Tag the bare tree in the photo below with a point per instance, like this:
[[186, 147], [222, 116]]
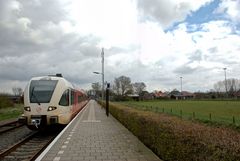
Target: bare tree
[[97, 88], [123, 85], [117, 86], [139, 87], [17, 91], [219, 86], [233, 85]]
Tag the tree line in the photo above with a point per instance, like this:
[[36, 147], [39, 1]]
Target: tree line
[[230, 87], [121, 87]]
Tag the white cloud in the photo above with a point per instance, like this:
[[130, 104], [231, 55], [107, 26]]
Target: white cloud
[[112, 20], [67, 37], [230, 8], [167, 12]]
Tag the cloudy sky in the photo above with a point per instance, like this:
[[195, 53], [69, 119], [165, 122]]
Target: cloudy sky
[[151, 41]]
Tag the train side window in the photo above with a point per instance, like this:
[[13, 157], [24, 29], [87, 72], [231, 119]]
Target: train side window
[[64, 101], [72, 97], [79, 99]]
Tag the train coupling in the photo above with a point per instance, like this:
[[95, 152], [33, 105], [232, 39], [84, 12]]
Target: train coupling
[[36, 122]]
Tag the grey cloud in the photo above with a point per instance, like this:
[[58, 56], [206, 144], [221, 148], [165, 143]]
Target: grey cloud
[[33, 44], [213, 50], [31, 29], [42, 11], [126, 50], [185, 69], [165, 80], [214, 55], [164, 11], [196, 56]]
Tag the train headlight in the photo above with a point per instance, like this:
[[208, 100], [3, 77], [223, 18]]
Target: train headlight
[[51, 108], [27, 109]]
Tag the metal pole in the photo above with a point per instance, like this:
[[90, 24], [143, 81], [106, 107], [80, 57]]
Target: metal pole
[[107, 99], [102, 54]]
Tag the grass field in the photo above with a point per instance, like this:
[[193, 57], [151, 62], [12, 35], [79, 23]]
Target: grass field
[[11, 112], [223, 112]]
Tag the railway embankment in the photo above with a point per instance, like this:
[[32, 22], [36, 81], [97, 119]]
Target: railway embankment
[[173, 138]]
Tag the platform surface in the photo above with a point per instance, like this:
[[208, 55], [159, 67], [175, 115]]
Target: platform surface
[[92, 136]]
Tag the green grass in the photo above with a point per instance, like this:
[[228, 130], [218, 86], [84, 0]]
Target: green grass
[[11, 112], [221, 111]]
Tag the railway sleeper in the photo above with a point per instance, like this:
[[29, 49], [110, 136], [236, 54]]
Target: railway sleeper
[[21, 153], [24, 150], [19, 157], [30, 146]]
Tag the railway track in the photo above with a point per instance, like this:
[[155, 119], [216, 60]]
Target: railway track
[[9, 126], [29, 148]]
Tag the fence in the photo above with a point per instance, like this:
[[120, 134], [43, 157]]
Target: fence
[[193, 115]]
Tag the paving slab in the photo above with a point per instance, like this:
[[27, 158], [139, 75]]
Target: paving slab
[[92, 136]]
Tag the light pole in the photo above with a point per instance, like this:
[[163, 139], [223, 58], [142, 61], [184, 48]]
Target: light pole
[[225, 78], [181, 84], [102, 54]]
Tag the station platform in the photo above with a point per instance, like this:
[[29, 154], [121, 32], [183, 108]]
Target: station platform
[[92, 136]]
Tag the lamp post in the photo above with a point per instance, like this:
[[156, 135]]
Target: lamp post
[[225, 74], [102, 73]]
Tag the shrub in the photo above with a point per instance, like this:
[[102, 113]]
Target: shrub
[[172, 138], [5, 102]]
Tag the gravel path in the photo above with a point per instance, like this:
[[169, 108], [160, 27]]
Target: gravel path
[[12, 137]]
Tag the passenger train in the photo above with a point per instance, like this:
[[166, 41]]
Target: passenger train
[[51, 100]]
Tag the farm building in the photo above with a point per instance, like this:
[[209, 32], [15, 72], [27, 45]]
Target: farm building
[[181, 95], [160, 94]]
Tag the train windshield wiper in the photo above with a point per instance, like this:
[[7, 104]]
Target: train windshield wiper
[[32, 94]]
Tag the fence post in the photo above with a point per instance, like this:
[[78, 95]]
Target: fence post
[[171, 110], [210, 117], [163, 110], [233, 120]]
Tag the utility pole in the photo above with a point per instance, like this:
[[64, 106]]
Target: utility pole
[[102, 54]]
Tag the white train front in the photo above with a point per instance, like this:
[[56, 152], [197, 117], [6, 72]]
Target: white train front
[[51, 100]]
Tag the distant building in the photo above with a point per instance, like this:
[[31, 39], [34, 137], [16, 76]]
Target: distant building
[[181, 95], [160, 94], [147, 96], [134, 96], [237, 94], [187, 95]]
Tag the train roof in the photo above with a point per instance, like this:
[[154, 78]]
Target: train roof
[[59, 77], [53, 77]]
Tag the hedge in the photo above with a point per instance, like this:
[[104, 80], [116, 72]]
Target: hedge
[[172, 138]]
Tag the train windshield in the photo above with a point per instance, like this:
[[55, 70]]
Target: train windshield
[[41, 91]]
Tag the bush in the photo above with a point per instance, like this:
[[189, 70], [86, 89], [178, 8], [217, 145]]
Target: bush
[[172, 138], [5, 102]]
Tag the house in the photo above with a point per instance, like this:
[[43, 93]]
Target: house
[[237, 94], [187, 95], [160, 95], [181, 95], [134, 96]]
